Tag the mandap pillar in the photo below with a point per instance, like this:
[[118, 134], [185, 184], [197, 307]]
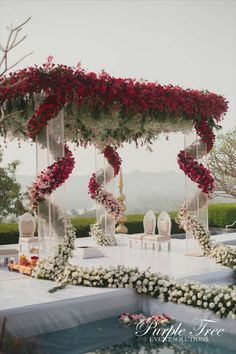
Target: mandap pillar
[[51, 224], [105, 177], [196, 201]]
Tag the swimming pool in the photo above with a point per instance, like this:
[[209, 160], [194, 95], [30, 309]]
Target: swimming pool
[[108, 337]]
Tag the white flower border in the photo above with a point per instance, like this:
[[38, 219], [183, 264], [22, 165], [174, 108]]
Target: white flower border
[[220, 300], [222, 254], [101, 239]]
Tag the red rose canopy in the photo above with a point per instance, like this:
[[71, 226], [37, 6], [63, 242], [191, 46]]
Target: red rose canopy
[[104, 108], [101, 108]]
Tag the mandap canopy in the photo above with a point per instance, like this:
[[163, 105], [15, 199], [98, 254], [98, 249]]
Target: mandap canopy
[[104, 111]]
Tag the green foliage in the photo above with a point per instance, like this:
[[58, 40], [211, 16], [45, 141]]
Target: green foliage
[[10, 191], [221, 215], [8, 234], [82, 225]]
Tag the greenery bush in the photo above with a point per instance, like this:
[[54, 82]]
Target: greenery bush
[[82, 225], [220, 215], [8, 234]]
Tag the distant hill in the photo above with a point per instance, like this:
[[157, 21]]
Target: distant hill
[[143, 191]]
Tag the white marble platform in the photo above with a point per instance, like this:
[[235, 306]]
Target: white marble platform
[[174, 263], [30, 309]]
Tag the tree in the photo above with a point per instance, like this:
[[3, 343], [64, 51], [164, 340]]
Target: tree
[[11, 197], [13, 41], [222, 163]]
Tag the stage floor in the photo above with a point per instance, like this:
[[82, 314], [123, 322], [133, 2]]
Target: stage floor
[[174, 263], [30, 309]]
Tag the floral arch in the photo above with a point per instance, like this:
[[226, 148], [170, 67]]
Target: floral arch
[[105, 111]]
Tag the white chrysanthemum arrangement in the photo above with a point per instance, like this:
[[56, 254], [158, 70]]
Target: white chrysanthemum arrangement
[[222, 254], [101, 238]]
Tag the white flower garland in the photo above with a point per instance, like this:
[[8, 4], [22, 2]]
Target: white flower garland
[[51, 268], [222, 254], [220, 300], [102, 239], [186, 221]]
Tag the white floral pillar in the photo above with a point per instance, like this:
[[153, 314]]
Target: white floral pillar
[[51, 212], [105, 177], [196, 200]]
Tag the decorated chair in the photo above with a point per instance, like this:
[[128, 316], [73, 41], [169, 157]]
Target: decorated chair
[[27, 227], [164, 230], [149, 225]]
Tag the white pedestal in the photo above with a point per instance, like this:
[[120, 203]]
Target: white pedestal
[[89, 252]]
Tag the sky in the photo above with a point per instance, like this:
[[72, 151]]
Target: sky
[[186, 43]]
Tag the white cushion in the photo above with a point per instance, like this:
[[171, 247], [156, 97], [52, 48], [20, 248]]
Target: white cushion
[[163, 227], [27, 228], [28, 239], [136, 236], [150, 238], [149, 225], [163, 238]]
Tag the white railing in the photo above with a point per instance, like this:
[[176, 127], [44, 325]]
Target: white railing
[[228, 226]]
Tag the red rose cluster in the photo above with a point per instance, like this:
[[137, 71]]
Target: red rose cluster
[[93, 186], [196, 172], [51, 178], [113, 158], [205, 132], [46, 111]]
